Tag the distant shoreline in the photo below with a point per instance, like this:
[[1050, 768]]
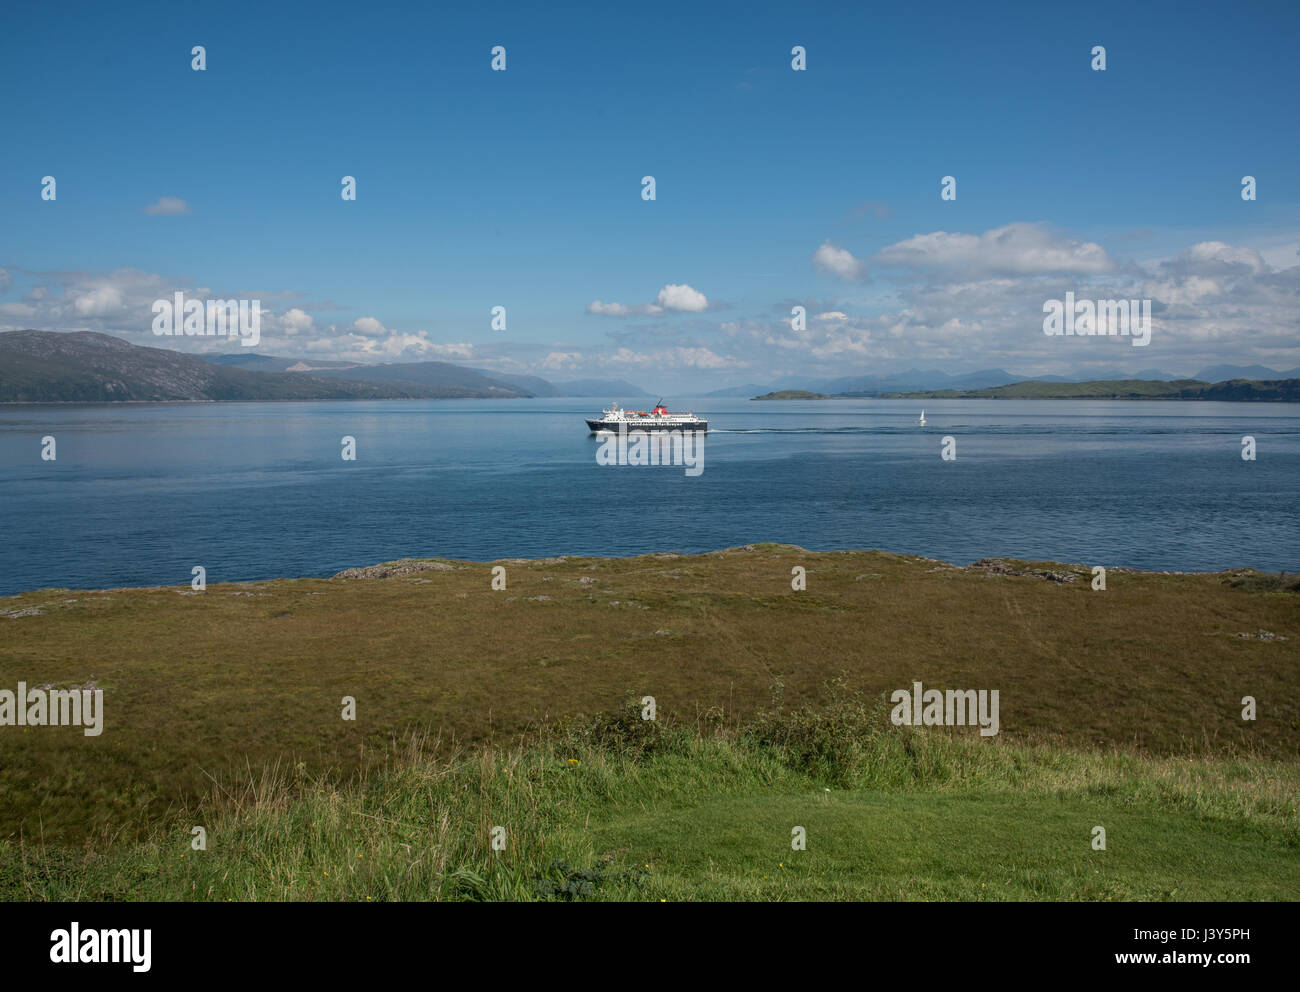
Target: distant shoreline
[[795, 394], [284, 399], [937, 395], [1194, 390]]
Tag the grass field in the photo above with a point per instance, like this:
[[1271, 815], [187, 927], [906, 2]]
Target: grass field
[[1119, 708], [615, 808]]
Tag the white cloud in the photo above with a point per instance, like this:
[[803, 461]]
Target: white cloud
[[612, 309], [369, 327], [1216, 258], [6, 280], [1212, 303], [683, 297], [953, 308], [296, 321], [455, 349], [839, 262], [557, 361], [168, 206], [688, 357], [97, 301], [680, 298], [1017, 249], [703, 358]]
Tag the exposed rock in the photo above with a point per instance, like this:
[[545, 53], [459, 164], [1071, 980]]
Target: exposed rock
[[30, 611], [392, 569], [1003, 566], [90, 684]]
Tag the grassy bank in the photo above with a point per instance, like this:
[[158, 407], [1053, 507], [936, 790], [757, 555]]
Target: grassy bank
[[619, 808], [206, 685], [1119, 708]]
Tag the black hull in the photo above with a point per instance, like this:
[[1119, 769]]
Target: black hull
[[700, 426]]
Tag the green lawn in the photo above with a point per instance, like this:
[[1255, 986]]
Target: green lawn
[[618, 808], [870, 845]]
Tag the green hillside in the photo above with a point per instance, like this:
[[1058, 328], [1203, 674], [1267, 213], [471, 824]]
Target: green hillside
[[792, 394], [84, 367]]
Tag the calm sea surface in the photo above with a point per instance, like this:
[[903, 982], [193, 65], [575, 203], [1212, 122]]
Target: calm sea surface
[[140, 494]]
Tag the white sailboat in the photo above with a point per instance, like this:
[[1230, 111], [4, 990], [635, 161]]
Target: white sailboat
[[921, 422]]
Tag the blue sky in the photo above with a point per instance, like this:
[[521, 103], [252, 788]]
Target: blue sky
[[774, 187]]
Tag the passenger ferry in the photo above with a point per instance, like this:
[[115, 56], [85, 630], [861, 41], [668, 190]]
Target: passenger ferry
[[658, 419]]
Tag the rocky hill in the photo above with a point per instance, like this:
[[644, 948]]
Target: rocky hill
[[56, 367]]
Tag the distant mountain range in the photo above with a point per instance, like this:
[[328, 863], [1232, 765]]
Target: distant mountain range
[[84, 367], [51, 367], [80, 367], [439, 375], [1233, 390], [916, 380], [1222, 373], [439, 379], [610, 389]]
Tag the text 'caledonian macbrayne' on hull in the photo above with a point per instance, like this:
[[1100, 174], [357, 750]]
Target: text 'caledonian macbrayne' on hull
[[658, 419]]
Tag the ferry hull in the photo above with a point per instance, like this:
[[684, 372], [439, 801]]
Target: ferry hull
[[649, 425]]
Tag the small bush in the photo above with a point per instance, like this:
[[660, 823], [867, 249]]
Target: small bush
[[623, 733], [568, 884], [1265, 582]]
